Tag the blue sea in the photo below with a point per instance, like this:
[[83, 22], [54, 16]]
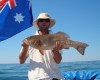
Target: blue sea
[[19, 71]]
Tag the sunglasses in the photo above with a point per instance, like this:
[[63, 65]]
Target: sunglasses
[[44, 20]]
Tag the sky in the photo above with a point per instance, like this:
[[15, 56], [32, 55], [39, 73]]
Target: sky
[[80, 19]]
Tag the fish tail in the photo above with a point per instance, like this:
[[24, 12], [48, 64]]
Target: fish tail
[[81, 47]]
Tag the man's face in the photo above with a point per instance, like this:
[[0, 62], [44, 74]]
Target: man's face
[[44, 23]]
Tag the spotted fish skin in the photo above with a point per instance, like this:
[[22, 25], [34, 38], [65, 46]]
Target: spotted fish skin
[[48, 41]]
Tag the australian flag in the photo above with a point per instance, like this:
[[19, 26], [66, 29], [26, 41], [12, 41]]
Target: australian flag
[[15, 16]]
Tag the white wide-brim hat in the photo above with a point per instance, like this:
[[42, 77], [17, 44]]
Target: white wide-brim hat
[[44, 16]]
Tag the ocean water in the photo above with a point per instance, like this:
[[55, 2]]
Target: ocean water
[[19, 71]]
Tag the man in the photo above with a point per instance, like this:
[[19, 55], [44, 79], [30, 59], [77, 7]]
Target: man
[[43, 63]]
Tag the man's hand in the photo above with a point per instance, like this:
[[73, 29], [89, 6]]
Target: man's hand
[[58, 46]]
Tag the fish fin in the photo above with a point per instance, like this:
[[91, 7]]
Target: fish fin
[[63, 34], [66, 48]]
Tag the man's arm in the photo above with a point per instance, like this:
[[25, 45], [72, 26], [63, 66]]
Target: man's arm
[[57, 55], [23, 53]]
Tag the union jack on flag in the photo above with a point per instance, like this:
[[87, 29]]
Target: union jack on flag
[[15, 16]]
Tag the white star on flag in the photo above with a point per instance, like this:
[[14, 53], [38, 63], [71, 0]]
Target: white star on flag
[[19, 17]]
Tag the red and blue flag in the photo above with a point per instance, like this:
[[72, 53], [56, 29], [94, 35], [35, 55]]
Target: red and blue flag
[[15, 16]]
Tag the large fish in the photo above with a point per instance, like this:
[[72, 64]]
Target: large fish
[[45, 42]]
